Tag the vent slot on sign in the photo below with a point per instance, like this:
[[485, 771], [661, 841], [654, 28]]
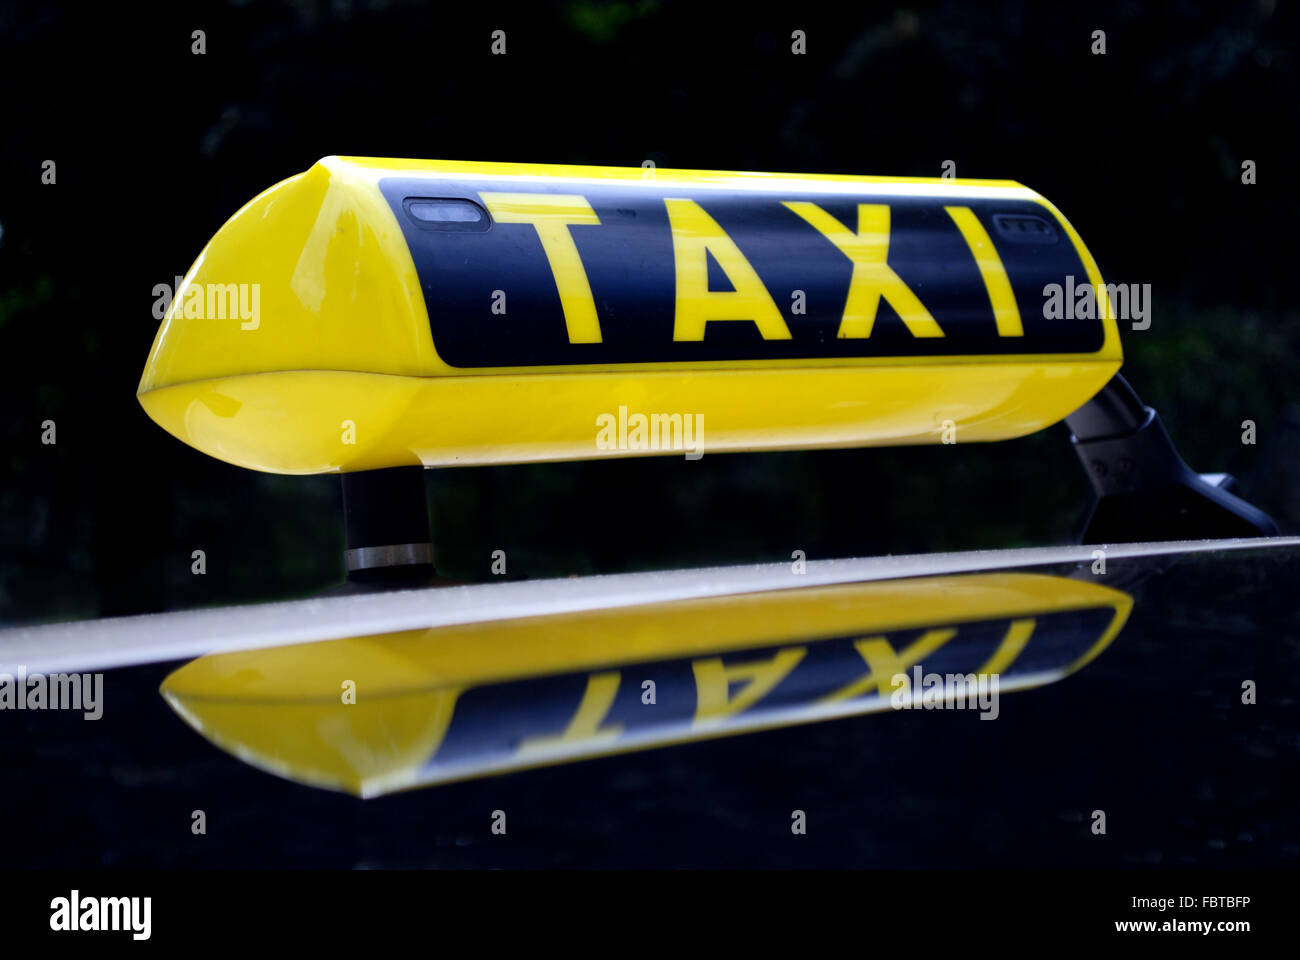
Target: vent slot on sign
[[1023, 228]]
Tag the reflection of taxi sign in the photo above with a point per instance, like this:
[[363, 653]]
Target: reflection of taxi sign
[[424, 312], [428, 706]]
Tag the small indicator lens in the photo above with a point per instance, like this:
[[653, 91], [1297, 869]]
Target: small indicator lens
[[444, 211]]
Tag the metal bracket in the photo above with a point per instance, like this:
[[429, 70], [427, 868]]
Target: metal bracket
[[1144, 489], [386, 514]]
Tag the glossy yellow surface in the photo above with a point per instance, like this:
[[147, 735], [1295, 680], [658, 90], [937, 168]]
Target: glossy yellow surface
[[282, 709], [339, 371]]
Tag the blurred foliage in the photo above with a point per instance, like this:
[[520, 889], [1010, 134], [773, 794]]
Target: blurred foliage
[[156, 147], [602, 22]]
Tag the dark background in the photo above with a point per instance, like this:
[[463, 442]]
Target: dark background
[[155, 147]]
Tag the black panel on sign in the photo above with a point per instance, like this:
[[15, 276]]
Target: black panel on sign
[[628, 260]]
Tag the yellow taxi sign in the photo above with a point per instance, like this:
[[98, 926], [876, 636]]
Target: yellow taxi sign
[[437, 313]]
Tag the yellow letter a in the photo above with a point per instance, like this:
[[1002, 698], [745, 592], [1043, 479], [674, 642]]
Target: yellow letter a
[[695, 235]]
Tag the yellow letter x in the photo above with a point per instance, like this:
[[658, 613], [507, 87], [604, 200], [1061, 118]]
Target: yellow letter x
[[873, 277]]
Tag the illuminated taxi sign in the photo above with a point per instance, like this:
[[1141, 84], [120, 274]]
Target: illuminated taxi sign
[[642, 272]]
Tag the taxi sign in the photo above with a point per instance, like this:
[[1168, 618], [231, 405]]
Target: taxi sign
[[381, 313]]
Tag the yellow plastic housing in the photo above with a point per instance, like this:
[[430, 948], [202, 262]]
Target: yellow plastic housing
[[337, 369]]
